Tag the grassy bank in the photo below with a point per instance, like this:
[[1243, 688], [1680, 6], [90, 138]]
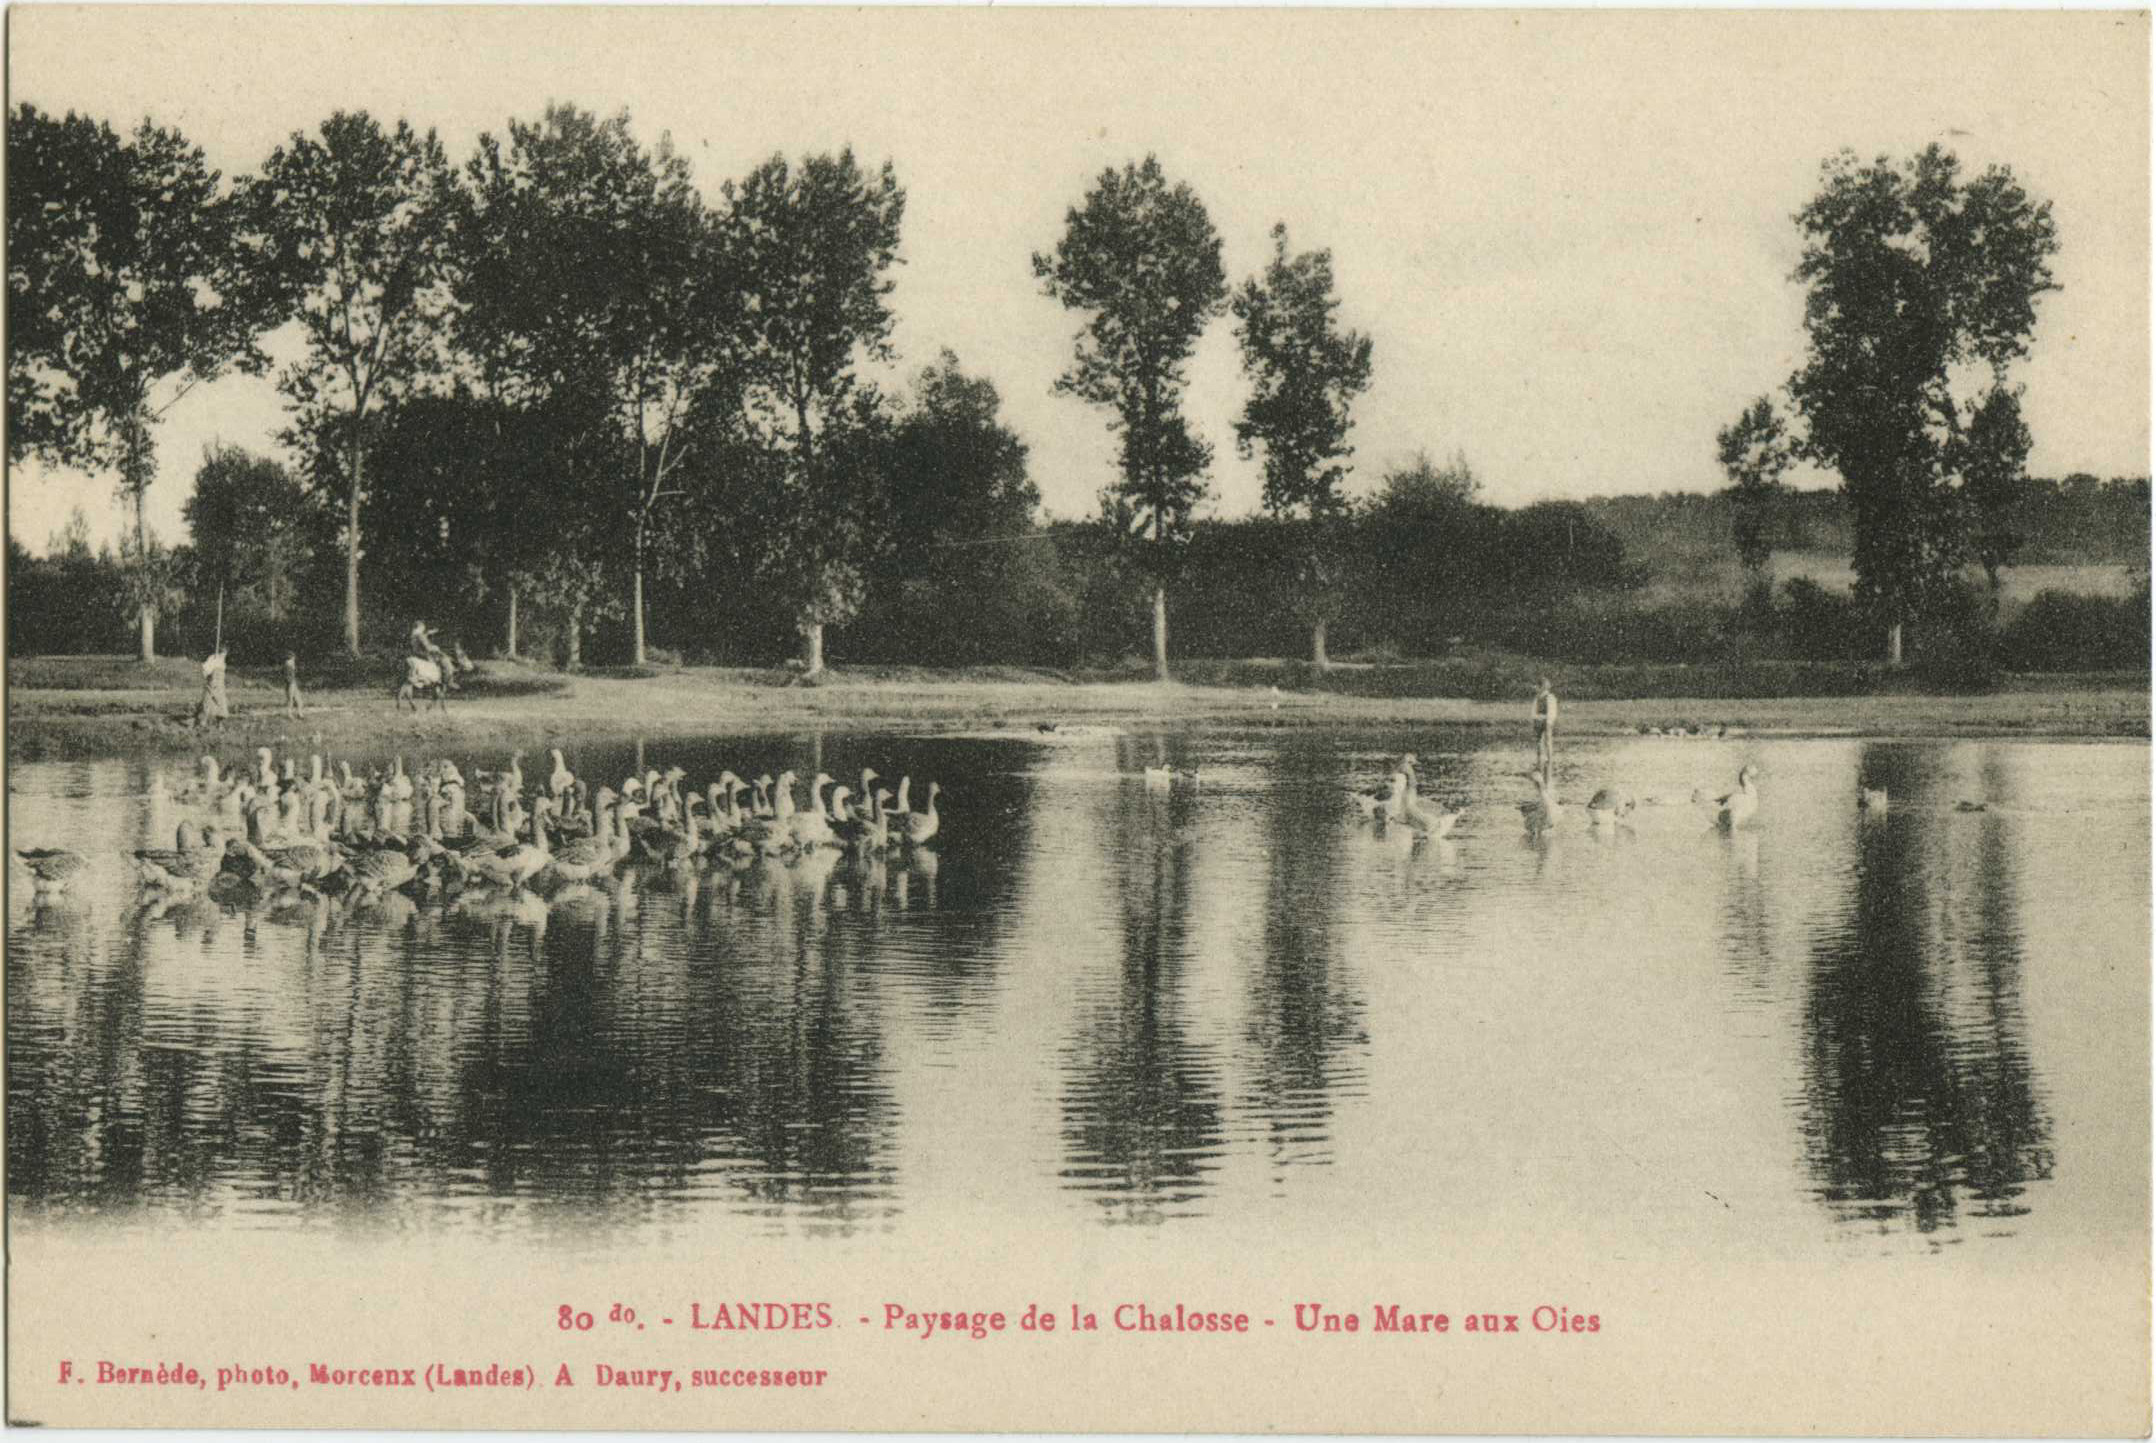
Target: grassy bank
[[93, 706]]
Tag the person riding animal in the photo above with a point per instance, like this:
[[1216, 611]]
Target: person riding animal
[[427, 667], [423, 645]]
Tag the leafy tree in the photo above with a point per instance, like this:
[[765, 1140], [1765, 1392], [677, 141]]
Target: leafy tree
[[255, 528], [468, 491], [1143, 260], [124, 271], [1754, 452], [1304, 374], [1424, 484], [592, 264], [1424, 510], [1994, 464], [71, 540], [831, 532], [357, 220], [1918, 279], [812, 247], [73, 600], [560, 523], [955, 585], [574, 583]]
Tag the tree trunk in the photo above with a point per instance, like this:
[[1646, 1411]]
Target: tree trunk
[[512, 621], [351, 550], [1160, 633], [1318, 658], [148, 617], [576, 637], [812, 647], [637, 601], [1894, 644]]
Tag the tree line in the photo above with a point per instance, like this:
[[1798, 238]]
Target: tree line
[[557, 391], [974, 578], [607, 381]]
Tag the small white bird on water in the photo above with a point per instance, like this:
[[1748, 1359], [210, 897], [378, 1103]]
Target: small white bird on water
[[1608, 807], [1737, 808], [1545, 808]]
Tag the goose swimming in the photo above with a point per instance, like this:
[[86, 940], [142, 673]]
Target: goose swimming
[[191, 860], [1608, 807], [1737, 808], [1545, 808], [921, 826]]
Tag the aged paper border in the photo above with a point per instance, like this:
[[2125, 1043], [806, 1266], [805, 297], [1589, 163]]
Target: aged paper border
[[2002, 1350]]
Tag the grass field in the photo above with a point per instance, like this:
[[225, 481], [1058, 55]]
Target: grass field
[[95, 706], [1717, 579], [2018, 585]]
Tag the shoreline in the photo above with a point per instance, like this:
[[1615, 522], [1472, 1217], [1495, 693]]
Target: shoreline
[[50, 724]]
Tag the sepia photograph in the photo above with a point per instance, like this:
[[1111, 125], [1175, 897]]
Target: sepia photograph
[[1078, 720]]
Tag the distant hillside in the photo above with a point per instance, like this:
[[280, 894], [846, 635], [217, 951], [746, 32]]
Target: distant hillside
[[1680, 538]]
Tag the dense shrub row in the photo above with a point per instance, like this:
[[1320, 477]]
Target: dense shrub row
[[1546, 582]]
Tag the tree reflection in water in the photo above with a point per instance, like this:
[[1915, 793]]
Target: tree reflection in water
[[1142, 1105], [1919, 1095], [1307, 1023], [1109, 1004]]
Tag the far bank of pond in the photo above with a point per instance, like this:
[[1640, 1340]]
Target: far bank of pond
[[101, 706]]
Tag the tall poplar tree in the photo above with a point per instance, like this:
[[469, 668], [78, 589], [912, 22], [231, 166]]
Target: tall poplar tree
[[125, 272], [1754, 452], [1305, 373], [1995, 451], [592, 266], [357, 219], [813, 245], [1921, 289], [1141, 259]]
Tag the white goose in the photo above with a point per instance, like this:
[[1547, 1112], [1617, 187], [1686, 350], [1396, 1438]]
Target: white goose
[[921, 826], [1545, 809], [1608, 807], [1737, 808]]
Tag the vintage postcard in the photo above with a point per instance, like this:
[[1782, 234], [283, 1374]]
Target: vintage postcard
[[1068, 720]]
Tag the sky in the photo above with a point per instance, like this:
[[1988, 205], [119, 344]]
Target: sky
[[1569, 234]]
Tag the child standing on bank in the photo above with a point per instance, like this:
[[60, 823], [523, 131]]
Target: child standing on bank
[[1545, 718], [292, 705]]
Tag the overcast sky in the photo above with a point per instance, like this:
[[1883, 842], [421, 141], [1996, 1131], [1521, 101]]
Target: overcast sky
[[1569, 234]]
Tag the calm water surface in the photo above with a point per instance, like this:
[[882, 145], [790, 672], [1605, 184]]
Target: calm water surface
[[1094, 1006]]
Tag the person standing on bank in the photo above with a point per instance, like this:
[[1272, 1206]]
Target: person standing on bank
[[213, 706], [1545, 718], [292, 705]]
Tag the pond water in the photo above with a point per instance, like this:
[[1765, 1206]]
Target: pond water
[[1096, 1006]]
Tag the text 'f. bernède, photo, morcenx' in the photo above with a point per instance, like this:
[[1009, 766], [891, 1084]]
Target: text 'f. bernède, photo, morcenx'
[[1402, 632]]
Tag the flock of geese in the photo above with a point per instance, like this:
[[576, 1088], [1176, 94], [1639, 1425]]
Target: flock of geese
[[1400, 805], [332, 833], [285, 826]]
